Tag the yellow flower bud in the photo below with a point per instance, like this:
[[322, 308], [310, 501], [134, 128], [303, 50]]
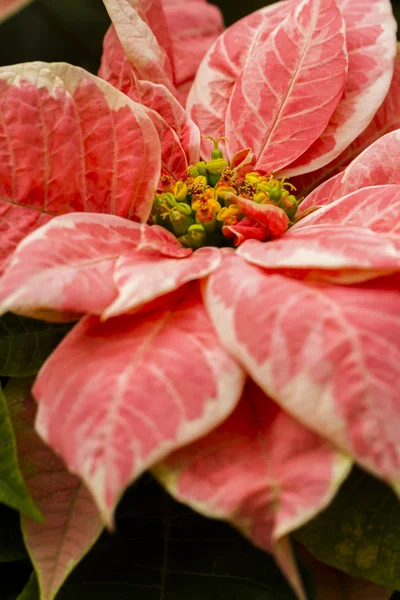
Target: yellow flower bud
[[230, 215], [221, 191], [201, 179], [180, 190], [261, 197]]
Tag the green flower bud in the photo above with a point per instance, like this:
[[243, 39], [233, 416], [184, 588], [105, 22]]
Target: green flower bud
[[169, 199], [214, 166], [201, 168], [216, 153], [163, 203], [184, 209], [163, 220], [192, 171], [196, 236], [290, 205], [180, 222]]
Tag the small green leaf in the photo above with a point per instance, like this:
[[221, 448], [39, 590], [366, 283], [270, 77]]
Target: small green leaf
[[13, 490], [31, 590], [26, 343], [165, 551], [359, 532]]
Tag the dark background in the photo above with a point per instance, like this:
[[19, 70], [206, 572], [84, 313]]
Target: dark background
[[72, 30]]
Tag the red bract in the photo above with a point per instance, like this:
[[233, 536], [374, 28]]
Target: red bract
[[156, 369]]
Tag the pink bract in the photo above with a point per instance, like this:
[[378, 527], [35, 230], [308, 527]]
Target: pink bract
[[288, 350], [9, 7]]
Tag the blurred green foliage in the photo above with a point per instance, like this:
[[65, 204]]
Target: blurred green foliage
[[72, 30]]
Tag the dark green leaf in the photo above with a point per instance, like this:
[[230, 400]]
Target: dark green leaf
[[359, 532], [13, 490], [13, 577], [31, 590], [11, 542], [164, 551], [26, 343]]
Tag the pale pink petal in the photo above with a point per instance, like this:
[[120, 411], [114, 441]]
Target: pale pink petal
[[324, 193], [210, 94], [261, 470], [16, 222], [72, 522], [386, 119], [246, 229], [329, 355], [117, 70], [274, 219], [134, 389], [151, 84], [243, 162], [154, 13], [193, 26], [66, 268], [371, 46], [356, 252], [142, 277], [9, 7], [376, 208], [139, 40], [290, 86], [379, 164], [70, 142]]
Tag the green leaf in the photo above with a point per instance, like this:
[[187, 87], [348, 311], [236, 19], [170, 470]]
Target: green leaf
[[13, 490], [11, 543], [164, 551], [359, 532], [31, 590], [26, 343]]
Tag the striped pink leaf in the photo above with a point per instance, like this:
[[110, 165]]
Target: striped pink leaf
[[346, 253], [378, 165], [72, 522], [247, 471], [371, 46], [150, 84], [290, 86], [70, 142], [193, 25], [376, 208], [143, 276], [154, 13], [329, 355], [213, 86], [327, 192], [118, 71], [134, 389], [98, 264], [386, 119]]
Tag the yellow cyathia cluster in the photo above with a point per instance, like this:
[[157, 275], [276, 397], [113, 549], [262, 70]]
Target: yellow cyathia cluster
[[196, 208]]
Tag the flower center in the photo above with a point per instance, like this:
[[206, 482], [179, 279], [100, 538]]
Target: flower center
[[216, 204]]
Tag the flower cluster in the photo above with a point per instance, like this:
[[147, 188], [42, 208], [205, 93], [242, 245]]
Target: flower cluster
[[202, 209]]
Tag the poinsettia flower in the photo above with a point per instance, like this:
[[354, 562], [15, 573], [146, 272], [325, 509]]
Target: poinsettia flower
[[304, 310]]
